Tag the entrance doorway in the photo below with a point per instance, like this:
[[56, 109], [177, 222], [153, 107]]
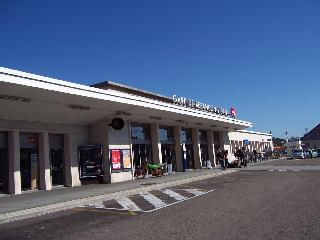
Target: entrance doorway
[[187, 148], [4, 166], [188, 157], [29, 161], [168, 147], [168, 155], [57, 159], [204, 156], [141, 144], [142, 153]]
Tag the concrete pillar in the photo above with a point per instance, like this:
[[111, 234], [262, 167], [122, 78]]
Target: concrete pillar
[[196, 148], [44, 162], [225, 142], [155, 143], [99, 135], [14, 162], [211, 151], [177, 147], [67, 160]]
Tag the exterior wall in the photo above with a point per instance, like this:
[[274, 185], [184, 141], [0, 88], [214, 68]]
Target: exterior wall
[[75, 135], [99, 135], [120, 139], [258, 141], [311, 144]]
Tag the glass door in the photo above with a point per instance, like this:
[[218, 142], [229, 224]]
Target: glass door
[[57, 172], [56, 145], [29, 168]]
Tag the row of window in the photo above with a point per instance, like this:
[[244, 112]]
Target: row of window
[[143, 132]]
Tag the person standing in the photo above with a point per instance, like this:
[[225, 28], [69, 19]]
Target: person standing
[[169, 163], [221, 159], [225, 157]]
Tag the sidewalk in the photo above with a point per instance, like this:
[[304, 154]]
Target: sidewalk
[[35, 203]]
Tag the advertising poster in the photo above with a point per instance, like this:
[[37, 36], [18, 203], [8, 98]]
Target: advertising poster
[[116, 159], [126, 159]]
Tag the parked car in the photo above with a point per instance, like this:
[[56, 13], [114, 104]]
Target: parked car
[[307, 153], [311, 153], [318, 151], [314, 153], [298, 153]]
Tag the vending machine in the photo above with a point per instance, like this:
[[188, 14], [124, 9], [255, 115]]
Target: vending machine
[[90, 161]]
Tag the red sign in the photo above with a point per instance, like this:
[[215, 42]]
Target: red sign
[[233, 112], [116, 159], [31, 140]]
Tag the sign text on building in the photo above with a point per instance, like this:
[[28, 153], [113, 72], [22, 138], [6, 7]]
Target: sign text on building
[[187, 102]]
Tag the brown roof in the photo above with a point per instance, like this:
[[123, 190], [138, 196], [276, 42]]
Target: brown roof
[[131, 90], [314, 134]]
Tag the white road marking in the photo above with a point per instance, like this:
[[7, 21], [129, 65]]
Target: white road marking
[[280, 170], [128, 204], [156, 202], [174, 195], [271, 170], [95, 205], [195, 192]]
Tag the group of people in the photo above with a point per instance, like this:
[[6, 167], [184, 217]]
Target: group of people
[[222, 157], [243, 157]]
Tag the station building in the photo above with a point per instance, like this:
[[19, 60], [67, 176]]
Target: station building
[[58, 133]]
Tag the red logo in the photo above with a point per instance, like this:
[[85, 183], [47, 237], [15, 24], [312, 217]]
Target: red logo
[[233, 112]]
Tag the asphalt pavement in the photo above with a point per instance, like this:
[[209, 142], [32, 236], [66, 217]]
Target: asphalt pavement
[[253, 203]]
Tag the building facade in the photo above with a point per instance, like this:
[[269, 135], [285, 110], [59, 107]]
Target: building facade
[[312, 138], [55, 133]]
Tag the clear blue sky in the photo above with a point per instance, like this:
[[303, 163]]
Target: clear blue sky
[[262, 57]]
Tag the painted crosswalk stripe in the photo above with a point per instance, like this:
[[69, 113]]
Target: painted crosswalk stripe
[[195, 192], [156, 202], [95, 205], [128, 204], [174, 195]]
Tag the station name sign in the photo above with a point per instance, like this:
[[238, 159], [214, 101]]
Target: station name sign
[[187, 102]]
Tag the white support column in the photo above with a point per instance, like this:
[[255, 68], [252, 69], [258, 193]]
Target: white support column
[[177, 147], [14, 162], [196, 148], [224, 138], [44, 162], [211, 150], [155, 143]]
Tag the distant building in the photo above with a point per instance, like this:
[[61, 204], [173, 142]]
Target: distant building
[[294, 145], [312, 138]]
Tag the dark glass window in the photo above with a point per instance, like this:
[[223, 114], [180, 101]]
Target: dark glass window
[[166, 134], [186, 135], [202, 136], [140, 131]]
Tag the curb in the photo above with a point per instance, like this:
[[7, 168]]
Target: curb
[[56, 207]]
